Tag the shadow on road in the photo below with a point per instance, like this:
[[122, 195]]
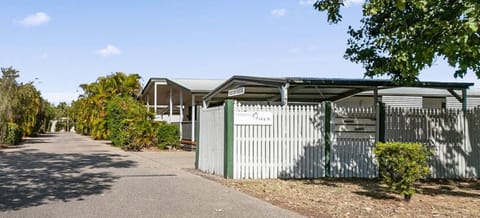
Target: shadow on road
[[31, 178]]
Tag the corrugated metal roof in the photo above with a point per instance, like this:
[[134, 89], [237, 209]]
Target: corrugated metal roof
[[198, 85], [410, 91], [316, 89]]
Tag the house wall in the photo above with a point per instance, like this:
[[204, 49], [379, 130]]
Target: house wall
[[472, 102], [403, 101]]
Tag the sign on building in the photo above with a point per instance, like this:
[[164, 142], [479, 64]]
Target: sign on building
[[237, 91]]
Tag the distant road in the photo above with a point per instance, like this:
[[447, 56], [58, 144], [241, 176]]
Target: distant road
[[68, 175]]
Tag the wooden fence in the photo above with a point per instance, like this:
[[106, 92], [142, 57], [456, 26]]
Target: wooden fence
[[211, 153], [452, 135], [313, 141], [290, 146], [354, 130]]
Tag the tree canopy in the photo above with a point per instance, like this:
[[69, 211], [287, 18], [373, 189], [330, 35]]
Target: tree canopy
[[90, 109], [399, 38], [21, 104]]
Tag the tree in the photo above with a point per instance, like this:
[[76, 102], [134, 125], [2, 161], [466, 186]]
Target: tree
[[90, 109], [399, 38], [21, 104]]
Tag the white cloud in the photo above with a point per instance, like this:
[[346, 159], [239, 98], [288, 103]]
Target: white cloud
[[307, 2], [36, 19], [108, 51], [349, 3], [279, 12]]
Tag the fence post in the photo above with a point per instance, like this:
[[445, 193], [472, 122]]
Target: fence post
[[381, 122], [327, 134], [197, 135], [228, 143]]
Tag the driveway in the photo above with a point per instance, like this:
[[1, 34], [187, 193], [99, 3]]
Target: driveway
[[68, 175]]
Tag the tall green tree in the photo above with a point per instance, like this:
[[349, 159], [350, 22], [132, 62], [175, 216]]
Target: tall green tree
[[399, 38], [21, 104], [90, 109]]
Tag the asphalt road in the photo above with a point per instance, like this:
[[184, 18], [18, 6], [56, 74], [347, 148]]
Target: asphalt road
[[68, 175]]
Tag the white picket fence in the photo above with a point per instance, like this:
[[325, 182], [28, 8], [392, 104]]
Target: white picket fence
[[292, 147], [354, 130], [452, 134], [211, 151]]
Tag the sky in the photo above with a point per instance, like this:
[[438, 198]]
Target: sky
[[61, 44]]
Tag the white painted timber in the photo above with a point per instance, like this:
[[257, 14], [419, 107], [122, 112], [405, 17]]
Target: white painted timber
[[452, 135], [353, 142], [211, 140], [403, 101], [292, 147]]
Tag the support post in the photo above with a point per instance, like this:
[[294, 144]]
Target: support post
[[228, 149], [170, 106], [284, 93], [464, 100], [148, 103], [181, 113], [155, 96], [377, 114], [328, 139], [197, 140], [193, 116], [381, 122]]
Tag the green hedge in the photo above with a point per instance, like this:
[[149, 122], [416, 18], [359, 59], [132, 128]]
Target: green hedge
[[129, 124], [401, 164], [14, 134], [168, 135]]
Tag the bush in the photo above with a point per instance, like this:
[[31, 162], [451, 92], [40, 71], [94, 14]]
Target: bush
[[129, 124], [401, 164], [168, 135], [14, 134]]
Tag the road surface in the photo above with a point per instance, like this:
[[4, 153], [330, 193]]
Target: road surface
[[68, 175]]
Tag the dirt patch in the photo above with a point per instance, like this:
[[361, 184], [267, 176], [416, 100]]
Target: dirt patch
[[362, 198]]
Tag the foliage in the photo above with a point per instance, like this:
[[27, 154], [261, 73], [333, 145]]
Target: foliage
[[168, 134], [402, 37], [89, 111], [129, 123], [14, 134], [401, 164], [22, 104]]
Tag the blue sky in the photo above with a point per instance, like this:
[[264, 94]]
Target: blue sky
[[62, 44]]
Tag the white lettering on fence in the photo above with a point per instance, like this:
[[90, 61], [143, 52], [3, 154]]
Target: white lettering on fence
[[253, 118]]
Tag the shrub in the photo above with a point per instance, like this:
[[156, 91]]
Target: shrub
[[14, 134], [168, 134], [129, 124], [401, 164]]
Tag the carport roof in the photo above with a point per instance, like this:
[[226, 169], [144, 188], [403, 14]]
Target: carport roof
[[302, 89]]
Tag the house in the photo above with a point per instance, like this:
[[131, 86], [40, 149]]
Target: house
[[175, 101]]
